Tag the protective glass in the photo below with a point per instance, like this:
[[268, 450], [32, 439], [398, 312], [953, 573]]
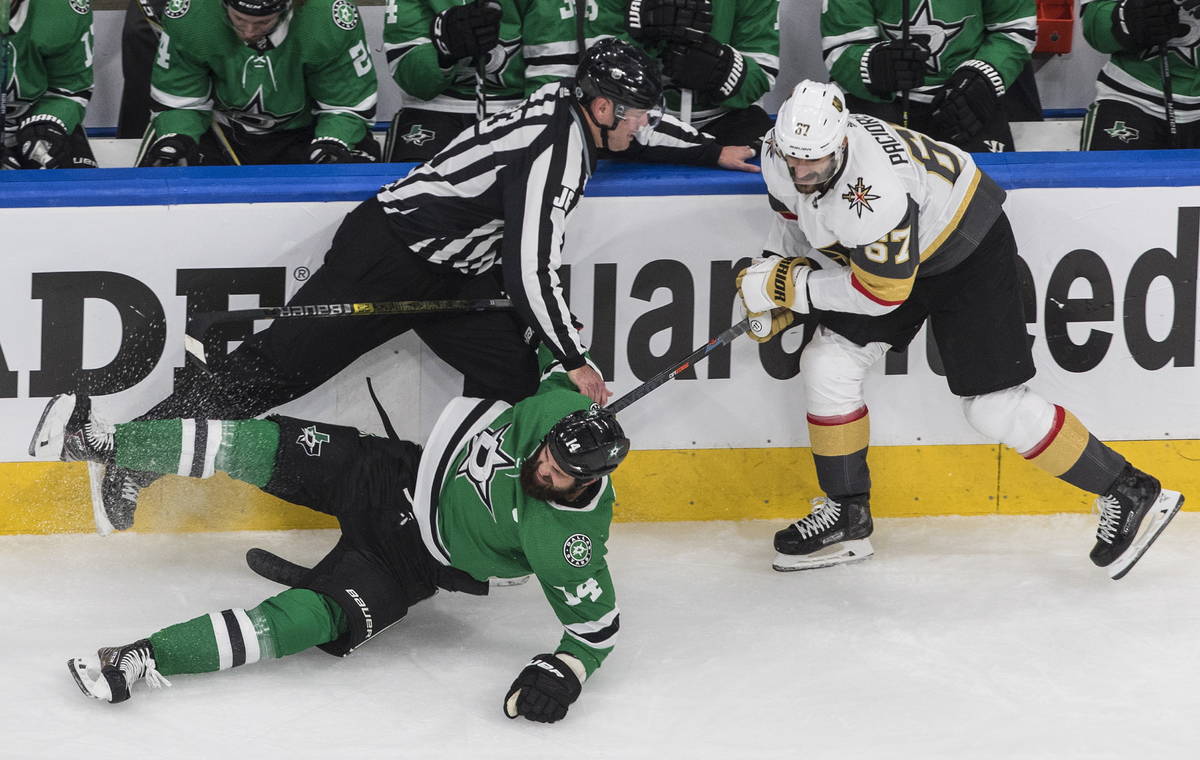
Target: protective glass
[[653, 115]]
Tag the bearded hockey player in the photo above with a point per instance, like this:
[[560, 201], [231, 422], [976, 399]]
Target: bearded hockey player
[[261, 82], [46, 51], [877, 230], [499, 491], [961, 67], [1130, 110]]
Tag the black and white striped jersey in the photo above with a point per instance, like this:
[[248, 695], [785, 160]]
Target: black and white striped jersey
[[500, 194]]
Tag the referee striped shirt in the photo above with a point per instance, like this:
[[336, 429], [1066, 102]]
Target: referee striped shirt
[[500, 193]]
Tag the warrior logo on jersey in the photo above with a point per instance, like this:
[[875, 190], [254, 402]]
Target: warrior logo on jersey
[[930, 33], [344, 15], [311, 439], [81, 6], [860, 197], [1120, 131], [485, 458], [577, 550], [177, 8], [418, 135]]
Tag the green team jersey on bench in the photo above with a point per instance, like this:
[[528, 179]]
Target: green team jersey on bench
[[314, 65], [50, 49]]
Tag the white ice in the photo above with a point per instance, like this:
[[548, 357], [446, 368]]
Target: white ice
[[979, 637]]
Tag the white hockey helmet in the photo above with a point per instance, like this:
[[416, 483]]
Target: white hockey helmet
[[812, 122]]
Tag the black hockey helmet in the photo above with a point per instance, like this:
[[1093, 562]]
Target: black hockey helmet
[[621, 72], [588, 444], [258, 7]]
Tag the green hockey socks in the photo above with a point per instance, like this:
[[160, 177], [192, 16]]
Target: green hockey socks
[[285, 624], [245, 449]]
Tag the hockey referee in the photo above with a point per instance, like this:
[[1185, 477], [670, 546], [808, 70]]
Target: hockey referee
[[486, 215]]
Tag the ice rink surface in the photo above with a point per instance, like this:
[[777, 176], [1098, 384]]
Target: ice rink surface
[[971, 637]]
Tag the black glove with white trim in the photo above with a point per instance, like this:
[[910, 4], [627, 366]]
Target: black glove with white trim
[[465, 31], [966, 103], [172, 150], [1141, 24], [650, 21], [545, 688], [701, 63], [42, 142], [894, 66]]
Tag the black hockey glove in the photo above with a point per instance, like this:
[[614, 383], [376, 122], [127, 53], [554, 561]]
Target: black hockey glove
[[653, 20], [701, 63], [172, 150], [466, 31], [543, 690], [1141, 24], [42, 142], [894, 66], [965, 104]]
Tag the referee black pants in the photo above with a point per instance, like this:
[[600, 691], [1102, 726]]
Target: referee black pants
[[366, 262]]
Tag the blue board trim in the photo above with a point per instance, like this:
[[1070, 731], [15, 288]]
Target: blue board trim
[[355, 182]]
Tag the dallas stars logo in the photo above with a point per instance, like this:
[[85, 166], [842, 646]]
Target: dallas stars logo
[[311, 439], [497, 61], [1120, 131], [254, 116], [1184, 45], [484, 460], [860, 197], [418, 135], [930, 33]]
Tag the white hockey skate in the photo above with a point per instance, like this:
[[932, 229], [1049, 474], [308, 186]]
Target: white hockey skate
[[832, 534]]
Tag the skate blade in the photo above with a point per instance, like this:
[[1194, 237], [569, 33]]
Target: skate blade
[[1165, 508], [96, 484], [837, 554], [96, 688], [54, 418]]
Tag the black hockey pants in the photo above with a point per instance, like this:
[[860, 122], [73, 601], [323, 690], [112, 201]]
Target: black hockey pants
[[365, 263]]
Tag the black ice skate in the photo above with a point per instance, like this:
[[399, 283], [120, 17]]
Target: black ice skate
[[832, 534], [70, 432], [1132, 515], [120, 668], [115, 497]]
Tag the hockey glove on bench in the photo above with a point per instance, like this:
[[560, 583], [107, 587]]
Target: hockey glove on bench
[[466, 31], [698, 62], [42, 142], [649, 21], [894, 66], [172, 150], [967, 102], [1141, 24], [545, 688]]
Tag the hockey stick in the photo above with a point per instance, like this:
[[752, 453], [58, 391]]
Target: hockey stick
[[199, 324], [1164, 69], [904, 9], [480, 95], [724, 339], [5, 6]]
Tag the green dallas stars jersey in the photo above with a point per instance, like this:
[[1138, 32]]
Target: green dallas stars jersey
[[50, 47], [1133, 76], [749, 26], [412, 60], [317, 62], [474, 515], [1000, 33]]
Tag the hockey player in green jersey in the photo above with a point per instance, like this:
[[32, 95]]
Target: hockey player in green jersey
[[433, 48], [261, 82], [960, 62], [1132, 101], [46, 77], [720, 59], [498, 491]]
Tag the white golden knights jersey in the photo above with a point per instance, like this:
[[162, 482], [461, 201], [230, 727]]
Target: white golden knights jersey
[[902, 206]]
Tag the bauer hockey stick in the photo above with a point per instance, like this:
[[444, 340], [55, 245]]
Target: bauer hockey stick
[[199, 324], [724, 339], [904, 9], [5, 6], [1164, 69]]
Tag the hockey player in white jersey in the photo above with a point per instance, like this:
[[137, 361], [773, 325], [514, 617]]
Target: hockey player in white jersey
[[879, 228]]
